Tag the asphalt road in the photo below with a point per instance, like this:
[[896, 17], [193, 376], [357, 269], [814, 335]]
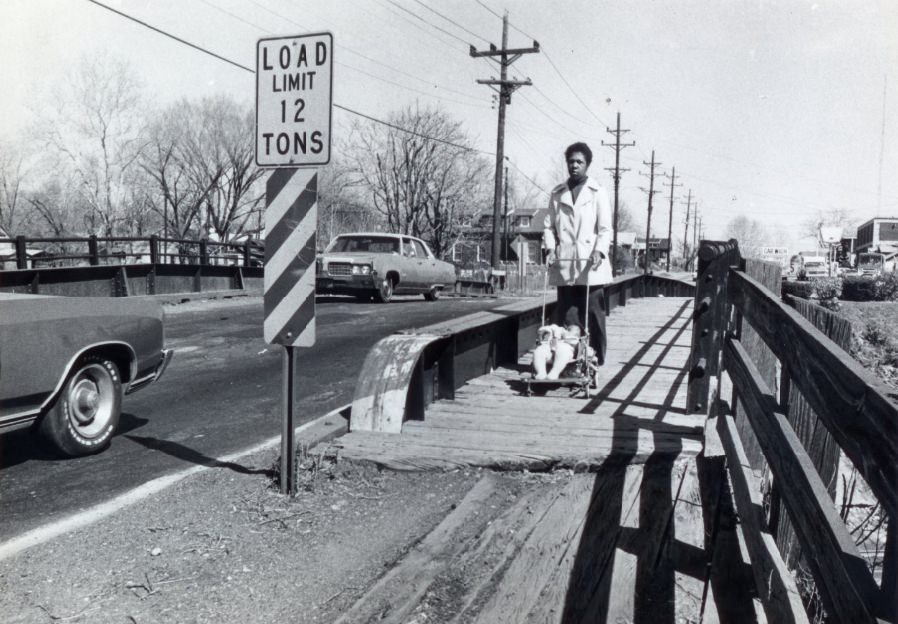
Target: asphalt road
[[220, 394]]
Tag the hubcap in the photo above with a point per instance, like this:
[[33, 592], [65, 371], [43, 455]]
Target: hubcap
[[91, 400]]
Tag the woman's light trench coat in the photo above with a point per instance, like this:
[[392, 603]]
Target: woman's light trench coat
[[575, 231]]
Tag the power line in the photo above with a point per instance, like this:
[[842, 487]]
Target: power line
[[442, 30], [344, 48], [171, 36], [252, 71], [451, 21], [497, 15]]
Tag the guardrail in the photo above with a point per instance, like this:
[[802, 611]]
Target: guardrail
[[94, 251], [769, 355], [404, 373]]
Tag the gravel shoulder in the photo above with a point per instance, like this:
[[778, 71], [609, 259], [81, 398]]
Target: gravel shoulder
[[225, 546]]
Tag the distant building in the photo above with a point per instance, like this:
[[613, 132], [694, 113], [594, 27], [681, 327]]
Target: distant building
[[878, 234]]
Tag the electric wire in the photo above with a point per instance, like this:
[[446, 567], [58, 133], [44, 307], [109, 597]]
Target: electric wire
[[451, 21], [253, 71]]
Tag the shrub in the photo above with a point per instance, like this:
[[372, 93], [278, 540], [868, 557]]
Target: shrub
[[858, 288], [797, 289], [828, 290], [885, 286]]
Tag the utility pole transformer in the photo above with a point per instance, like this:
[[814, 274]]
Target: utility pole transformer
[[651, 191], [673, 179], [504, 87], [617, 145]]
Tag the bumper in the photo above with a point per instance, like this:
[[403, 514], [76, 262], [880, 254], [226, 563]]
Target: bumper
[[345, 285], [137, 384]]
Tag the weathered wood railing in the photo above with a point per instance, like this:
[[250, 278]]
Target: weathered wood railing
[[757, 436], [29, 252]]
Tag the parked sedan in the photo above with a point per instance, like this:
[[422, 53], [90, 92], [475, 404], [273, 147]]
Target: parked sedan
[[66, 362], [369, 264]]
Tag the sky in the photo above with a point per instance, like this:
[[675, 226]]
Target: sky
[[773, 110]]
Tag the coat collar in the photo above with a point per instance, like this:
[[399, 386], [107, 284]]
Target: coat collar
[[563, 193]]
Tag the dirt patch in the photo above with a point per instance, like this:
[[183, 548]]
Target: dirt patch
[[225, 546]]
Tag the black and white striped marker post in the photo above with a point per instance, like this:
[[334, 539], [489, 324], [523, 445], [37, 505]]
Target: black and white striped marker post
[[291, 219]]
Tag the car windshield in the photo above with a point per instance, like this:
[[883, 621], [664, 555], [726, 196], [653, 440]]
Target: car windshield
[[869, 260], [813, 265], [374, 244]]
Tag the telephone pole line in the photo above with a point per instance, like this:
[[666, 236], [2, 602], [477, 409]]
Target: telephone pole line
[[673, 179], [504, 87], [695, 227], [617, 146], [651, 191], [686, 231]]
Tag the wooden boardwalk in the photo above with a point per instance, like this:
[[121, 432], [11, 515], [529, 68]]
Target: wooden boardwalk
[[623, 537], [639, 410]]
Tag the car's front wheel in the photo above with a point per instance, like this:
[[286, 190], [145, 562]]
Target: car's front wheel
[[87, 410], [385, 292]]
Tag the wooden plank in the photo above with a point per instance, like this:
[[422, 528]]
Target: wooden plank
[[581, 587], [378, 403], [483, 566], [853, 404], [687, 549], [640, 442], [552, 543], [465, 417], [775, 584], [842, 577], [396, 593]]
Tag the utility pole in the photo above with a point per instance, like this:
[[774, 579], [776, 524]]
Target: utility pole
[[673, 179], [504, 87], [695, 226], [686, 231], [505, 218], [617, 145], [651, 191]]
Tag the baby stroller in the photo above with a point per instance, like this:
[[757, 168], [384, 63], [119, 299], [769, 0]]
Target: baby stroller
[[580, 374]]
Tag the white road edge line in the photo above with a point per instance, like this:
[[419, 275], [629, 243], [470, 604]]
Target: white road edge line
[[82, 519]]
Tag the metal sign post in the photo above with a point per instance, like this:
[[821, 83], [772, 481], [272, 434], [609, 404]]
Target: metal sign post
[[293, 130]]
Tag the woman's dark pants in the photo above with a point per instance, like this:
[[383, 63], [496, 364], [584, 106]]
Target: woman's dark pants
[[572, 300]]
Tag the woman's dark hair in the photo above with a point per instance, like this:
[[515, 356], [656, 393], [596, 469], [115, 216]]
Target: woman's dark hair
[[581, 147]]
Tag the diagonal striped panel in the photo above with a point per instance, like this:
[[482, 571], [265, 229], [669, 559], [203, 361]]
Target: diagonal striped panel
[[291, 218]]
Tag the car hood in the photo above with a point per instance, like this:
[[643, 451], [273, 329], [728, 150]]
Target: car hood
[[357, 257]]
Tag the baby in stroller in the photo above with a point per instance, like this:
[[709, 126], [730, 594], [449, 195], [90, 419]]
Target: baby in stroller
[[557, 346]]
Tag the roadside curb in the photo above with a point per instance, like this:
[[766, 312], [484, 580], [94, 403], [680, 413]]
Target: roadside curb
[[318, 431], [176, 298]]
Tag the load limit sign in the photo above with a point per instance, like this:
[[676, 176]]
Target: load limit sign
[[294, 89]]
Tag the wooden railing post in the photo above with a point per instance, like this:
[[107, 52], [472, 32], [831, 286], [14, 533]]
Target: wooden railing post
[[93, 250], [204, 251], [709, 321], [21, 252], [154, 249]]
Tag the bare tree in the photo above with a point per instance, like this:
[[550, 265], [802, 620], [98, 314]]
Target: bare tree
[[96, 128], [426, 179], [13, 172], [235, 197], [176, 160], [750, 233]]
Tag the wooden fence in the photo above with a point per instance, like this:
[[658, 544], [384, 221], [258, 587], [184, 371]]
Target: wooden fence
[[767, 353]]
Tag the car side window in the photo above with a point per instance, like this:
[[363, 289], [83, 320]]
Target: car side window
[[408, 249], [419, 249]]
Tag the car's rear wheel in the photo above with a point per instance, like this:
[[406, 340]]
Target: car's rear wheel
[[87, 410], [385, 292], [433, 294]]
